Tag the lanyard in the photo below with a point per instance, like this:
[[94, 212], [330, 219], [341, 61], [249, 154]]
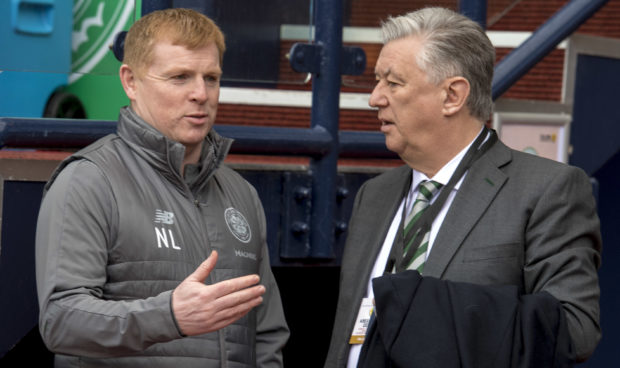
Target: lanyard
[[397, 260]]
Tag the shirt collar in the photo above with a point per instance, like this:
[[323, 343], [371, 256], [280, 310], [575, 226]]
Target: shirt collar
[[445, 173]]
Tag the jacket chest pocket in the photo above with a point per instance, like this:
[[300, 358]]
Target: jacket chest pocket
[[500, 264], [494, 253], [236, 237]]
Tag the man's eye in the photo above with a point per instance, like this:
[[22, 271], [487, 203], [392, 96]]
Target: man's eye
[[180, 77], [387, 82]]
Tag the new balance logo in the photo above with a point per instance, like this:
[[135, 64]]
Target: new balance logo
[[164, 217]]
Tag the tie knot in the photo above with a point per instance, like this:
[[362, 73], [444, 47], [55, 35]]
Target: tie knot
[[428, 188]]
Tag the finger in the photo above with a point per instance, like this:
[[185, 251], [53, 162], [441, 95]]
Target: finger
[[240, 298], [204, 269], [230, 286], [230, 315]]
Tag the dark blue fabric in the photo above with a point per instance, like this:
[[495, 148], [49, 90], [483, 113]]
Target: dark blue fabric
[[427, 322]]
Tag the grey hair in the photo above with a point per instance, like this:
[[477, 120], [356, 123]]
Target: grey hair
[[453, 45]]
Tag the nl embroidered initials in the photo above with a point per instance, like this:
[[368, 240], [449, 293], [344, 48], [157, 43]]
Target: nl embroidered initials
[[165, 236]]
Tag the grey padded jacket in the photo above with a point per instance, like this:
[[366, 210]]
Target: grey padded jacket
[[119, 229]]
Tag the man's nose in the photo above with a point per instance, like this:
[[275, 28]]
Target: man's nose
[[377, 97], [199, 90]]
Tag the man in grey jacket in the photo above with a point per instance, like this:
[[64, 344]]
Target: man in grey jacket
[[150, 252]]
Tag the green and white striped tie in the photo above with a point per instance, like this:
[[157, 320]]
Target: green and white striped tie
[[426, 190]]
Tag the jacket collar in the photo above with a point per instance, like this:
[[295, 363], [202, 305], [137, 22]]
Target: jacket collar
[[164, 153]]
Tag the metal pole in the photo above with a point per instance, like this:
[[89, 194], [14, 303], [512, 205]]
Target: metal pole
[[476, 10], [77, 133], [541, 42], [325, 101], [52, 133], [149, 6]]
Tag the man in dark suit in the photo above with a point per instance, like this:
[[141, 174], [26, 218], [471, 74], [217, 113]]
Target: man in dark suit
[[499, 217]]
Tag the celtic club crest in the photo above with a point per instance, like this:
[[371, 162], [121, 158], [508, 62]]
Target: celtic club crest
[[238, 225]]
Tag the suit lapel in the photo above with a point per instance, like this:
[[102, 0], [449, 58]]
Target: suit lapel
[[481, 185], [383, 201], [369, 226]]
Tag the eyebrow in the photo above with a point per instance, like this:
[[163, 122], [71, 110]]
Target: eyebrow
[[386, 72], [390, 72], [177, 69]]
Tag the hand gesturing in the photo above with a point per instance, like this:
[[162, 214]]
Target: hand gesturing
[[200, 308]]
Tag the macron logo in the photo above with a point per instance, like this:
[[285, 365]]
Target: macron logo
[[164, 217]]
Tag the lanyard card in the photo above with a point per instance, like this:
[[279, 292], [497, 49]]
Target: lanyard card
[[362, 321]]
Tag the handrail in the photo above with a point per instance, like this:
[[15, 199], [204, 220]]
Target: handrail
[[520, 60], [76, 133], [52, 133]]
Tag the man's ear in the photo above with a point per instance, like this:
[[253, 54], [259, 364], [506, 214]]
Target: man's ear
[[457, 91], [128, 80]]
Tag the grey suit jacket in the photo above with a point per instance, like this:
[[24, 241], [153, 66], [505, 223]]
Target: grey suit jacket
[[517, 219]]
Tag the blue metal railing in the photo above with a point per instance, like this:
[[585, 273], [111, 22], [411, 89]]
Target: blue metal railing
[[325, 112], [564, 22], [475, 9], [313, 142]]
